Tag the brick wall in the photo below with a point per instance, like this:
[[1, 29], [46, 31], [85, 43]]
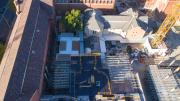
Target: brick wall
[[162, 7], [61, 8]]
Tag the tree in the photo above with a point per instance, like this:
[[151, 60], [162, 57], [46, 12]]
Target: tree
[[72, 21], [2, 49]]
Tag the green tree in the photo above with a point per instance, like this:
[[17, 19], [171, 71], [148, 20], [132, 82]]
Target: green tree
[[2, 49], [72, 21]]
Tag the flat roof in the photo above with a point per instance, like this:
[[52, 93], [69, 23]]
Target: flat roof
[[69, 45]]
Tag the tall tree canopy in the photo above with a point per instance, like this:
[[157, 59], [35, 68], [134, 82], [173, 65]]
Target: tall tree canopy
[[72, 21]]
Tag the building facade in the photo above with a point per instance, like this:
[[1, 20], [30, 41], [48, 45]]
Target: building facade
[[162, 83], [160, 7], [61, 6]]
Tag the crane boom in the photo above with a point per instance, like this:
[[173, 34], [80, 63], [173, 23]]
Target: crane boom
[[168, 22]]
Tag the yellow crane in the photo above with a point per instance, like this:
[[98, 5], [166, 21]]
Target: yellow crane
[[168, 22]]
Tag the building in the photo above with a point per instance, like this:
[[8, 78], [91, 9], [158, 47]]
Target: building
[[86, 75], [61, 6], [22, 66], [126, 27], [41, 64], [163, 83], [110, 32], [159, 7]]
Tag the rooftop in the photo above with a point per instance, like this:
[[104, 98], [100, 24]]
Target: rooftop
[[124, 21], [127, 25], [91, 17], [70, 44], [165, 83], [26, 49], [118, 22]]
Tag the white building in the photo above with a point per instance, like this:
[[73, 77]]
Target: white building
[[126, 27]]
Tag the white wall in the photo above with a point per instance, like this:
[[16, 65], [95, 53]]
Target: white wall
[[151, 51]]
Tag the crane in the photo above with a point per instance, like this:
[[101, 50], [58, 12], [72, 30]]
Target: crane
[[168, 22]]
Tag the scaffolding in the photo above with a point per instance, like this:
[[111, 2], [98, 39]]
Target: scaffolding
[[162, 87], [58, 74], [122, 78]]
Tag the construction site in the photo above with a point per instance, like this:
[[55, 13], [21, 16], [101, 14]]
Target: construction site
[[122, 50], [122, 54]]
